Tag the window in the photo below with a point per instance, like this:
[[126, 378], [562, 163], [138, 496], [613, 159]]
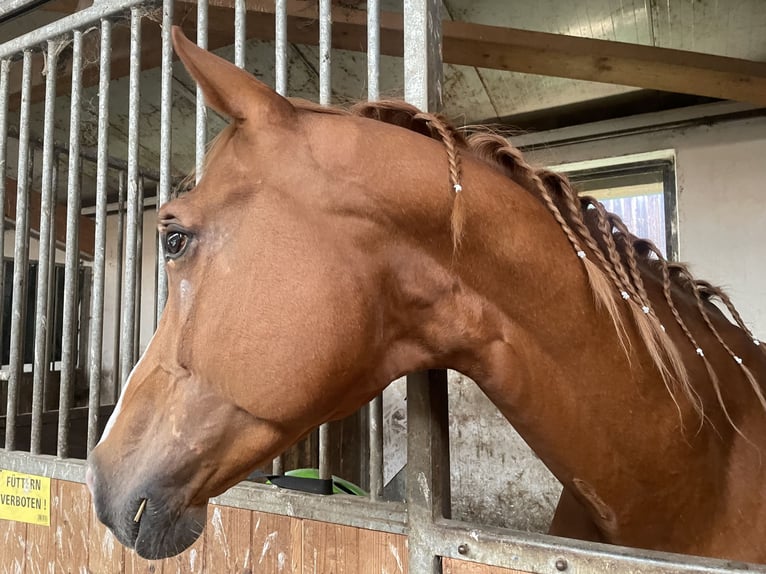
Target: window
[[642, 193]]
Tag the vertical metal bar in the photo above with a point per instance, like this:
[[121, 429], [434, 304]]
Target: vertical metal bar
[[428, 494], [201, 131], [376, 405], [139, 269], [166, 103], [423, 76], [373, 49], [325, 50], [20, 257], [119, 264], [43, 267], [280, 46], [131, 232], [4, 74], [325, 95], [240, 13], [427, 421], [280, 66], [52, 299], [71, 270], [95, 344]]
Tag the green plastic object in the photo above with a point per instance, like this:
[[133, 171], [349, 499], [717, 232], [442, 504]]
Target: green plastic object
[[339, 485]]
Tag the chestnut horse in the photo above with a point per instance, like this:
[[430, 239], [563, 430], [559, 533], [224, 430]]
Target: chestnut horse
[[325, 253]]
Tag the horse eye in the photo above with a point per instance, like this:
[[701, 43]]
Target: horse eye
[[175, 244]]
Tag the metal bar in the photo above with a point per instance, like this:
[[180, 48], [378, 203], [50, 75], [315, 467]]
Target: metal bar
[[325, 95], [201, 116], [423, 76], [325, 471], [91, 154], [240, 32], [52, 299], [80, 20], [532, 552], [280, 46], [428, 477], [127, 352], [14, 8], [165, 182], [376, 405], [119, 264], [373, 49], [139, 270], [47, 204], [21, 245], [5, 66], [325, 52], [95, 344], [280, 67], [71, 270], [376, 447]]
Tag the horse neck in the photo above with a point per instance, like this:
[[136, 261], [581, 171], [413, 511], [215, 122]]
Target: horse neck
[[516, 313]]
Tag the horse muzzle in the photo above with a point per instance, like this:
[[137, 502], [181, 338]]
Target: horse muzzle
[[147, 517]]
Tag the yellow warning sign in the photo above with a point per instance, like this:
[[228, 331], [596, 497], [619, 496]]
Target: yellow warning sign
[[25, 498]]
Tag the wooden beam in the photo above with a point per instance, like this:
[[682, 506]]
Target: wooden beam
[[465, 44], [524, 51], [87, 225]]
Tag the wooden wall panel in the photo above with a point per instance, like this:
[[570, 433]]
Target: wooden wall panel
[[105, 553], [235, 540], [134, 564], [190, 561], [276, 544], [13, 537], [72, 527], [330, 548], [228, 536], [382, 552], [41, 542], [452, 566]]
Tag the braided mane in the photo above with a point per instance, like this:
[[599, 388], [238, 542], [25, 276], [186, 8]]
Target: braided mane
[[610, 253]]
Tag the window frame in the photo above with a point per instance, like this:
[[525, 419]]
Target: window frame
[[667, 175]]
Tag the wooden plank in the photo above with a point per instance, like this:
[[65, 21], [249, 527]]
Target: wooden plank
[[452, 566], [87, 225], [13, 540], [105, 553], [190, 561], [330, 548], [72, 527], [134, 564], [382, 552], [276, 544], [41, 540], [228, 536]]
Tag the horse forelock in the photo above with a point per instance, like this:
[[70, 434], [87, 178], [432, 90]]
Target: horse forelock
[[610, 253]]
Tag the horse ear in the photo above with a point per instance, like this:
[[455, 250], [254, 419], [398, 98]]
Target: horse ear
[[228, 89]]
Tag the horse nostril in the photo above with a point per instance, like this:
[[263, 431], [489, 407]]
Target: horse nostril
[[90, 480]]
